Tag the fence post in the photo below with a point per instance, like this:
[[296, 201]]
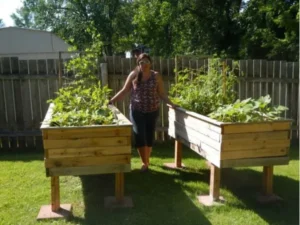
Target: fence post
[[104, 74]]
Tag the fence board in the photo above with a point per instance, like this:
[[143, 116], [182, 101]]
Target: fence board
[[14, 62], [10, 109], [6, 69], [19, 111], [3, 119]]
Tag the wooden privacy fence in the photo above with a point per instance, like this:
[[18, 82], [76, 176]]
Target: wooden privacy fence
[[26, 85]]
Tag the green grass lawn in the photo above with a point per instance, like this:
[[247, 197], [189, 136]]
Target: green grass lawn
[[160, 196]]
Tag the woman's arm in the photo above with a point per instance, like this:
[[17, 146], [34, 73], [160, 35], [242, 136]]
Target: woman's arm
[[126, 88], [161, 91]]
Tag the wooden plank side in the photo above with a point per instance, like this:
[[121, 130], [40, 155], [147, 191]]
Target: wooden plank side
[[89, 170], [87, 161], [255, 153], [186, 113], [208, 155], [86, 152], [194, 140], [191, 121], [266, 161], [240, 145], [194, 135], [201, 129], [89, 132], [256, 127], [86, 142], [256, 136]]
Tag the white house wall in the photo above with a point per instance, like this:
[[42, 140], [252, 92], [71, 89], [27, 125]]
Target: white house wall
[[30, 44]]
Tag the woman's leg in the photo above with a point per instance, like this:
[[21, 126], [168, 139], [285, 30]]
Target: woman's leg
[[148, 154], [138, 121], [143, 155], [150, 132]]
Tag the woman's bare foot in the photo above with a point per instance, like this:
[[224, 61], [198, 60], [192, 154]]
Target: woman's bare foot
[[144, 168]]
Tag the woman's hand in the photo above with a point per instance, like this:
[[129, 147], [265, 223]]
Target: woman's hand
[[172, 105]]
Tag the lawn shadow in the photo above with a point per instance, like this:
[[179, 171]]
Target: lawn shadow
[[23, 156], [157, 199], [246, 185]]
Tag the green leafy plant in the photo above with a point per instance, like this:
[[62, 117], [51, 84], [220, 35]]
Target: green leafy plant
[[204, 90], [82, 101], [212, 94], [248, 110]]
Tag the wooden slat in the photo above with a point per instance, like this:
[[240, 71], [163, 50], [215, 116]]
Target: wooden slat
[[254, 153], [11, 111], [185, 113], [256, 127], [266, 161], [206, 152], [194, 136], [3, 121], [89, 170], [89, 132], [188, 120], [86, 142], [19, 111], [87, 161], [85, 152], [241, 145], [256, 136], [198, 128]]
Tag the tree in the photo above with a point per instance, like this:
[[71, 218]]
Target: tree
[[71, 20], [270, 30], [1, 23], [183, 26]]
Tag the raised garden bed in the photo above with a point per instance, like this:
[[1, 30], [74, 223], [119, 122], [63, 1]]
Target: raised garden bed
[[86, 150], [227, 145]]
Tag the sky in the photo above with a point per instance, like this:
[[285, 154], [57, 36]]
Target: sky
[[8, 7]]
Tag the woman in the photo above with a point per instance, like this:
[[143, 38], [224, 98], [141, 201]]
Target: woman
[[146, 87]]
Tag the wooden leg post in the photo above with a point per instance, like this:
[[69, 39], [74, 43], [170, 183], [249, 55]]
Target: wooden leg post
[[268, 180], [178, 153], [119, 187], [214, 188], [177, 157], [268, 196], [119, 200], [55, 196], [55, 210]]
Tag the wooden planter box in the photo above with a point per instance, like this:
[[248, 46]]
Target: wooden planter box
[[86, 150], [231, 144]]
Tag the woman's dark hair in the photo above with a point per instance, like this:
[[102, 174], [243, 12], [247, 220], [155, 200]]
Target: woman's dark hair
[[137, 69]]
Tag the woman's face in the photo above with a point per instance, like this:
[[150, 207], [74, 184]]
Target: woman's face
[[145, 64]]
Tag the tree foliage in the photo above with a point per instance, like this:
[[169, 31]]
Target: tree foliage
[[270, 29], [266, 29], [71, 19]]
